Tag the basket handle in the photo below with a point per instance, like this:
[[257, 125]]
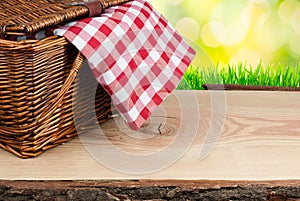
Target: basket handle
[[77, 64], [50, 109], [95, 7], [110, 3]]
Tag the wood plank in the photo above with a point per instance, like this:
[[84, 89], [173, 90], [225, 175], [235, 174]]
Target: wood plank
[[259, 141]]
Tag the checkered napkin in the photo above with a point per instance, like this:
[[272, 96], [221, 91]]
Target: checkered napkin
[[135, 54]]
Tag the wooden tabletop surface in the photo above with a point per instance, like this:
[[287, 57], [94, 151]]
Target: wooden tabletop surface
[[259, 139]]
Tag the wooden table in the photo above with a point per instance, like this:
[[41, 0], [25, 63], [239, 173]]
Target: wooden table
[[256, 154]]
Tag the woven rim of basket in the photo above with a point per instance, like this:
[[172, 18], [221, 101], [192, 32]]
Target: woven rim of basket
[[20, 17]]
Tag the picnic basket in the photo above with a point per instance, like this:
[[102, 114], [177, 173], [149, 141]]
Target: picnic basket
[[37, 77]]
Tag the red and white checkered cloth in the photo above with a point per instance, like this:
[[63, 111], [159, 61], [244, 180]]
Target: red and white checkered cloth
[[135, 54]]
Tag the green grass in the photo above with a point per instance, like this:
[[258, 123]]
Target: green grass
[[242, 74]]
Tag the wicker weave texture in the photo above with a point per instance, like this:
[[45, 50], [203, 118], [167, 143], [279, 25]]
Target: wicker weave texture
[[36, 89], [37, 79], [19, 17]]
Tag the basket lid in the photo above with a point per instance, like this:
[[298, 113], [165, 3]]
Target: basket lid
[[20, 17]]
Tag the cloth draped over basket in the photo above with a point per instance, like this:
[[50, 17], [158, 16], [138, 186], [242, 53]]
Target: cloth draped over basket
[[134, 53]]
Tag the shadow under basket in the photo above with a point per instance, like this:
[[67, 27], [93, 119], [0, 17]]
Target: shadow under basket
[[37, 87]]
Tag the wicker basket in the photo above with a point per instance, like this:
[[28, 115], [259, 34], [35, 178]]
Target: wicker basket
[[37, 77]]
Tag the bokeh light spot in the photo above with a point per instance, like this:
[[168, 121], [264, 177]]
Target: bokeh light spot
[[208, 37], [253, 16], [228, 14], [228, 11], [295, 43], [251, 57], [272, 36], [160, 5], [295, 21], [258, 1], [200, 9], [260, 29], [286, 10], [175, 2], [230, 35], [189, 28]]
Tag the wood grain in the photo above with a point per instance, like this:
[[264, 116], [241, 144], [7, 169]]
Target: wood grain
[[260, 140]]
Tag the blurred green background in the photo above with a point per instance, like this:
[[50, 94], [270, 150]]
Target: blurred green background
[[232, 31]]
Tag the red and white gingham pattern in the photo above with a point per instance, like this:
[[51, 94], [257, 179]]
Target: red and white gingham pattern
[[135, 54]]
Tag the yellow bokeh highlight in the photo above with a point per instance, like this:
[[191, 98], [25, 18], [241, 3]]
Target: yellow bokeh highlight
[[231, 30], [250, 56], [189, 28], [295, 43], [207, 35], [287, 9], [295, 21], [175, 2], [200, 10], [161, 6], [253, 16], [272, 36], [259, 1]]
